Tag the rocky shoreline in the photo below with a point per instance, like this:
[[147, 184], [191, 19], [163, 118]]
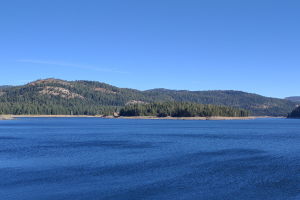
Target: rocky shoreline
[[6, 117]]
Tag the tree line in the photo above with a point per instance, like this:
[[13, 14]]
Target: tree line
[[173, 109], [181, 109], [55, 109]]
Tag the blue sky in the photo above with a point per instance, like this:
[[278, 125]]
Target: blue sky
[[249, 45]]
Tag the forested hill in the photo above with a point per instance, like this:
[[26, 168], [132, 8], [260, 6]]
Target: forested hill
[[53, 96], [5, 86], [257, 104], [294, 99]]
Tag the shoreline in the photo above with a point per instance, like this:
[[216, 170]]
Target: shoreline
[[54, 116], [6, 117], [200, 118], [11, 117]]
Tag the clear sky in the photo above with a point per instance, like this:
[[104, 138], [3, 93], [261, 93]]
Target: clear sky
[[248, 45]]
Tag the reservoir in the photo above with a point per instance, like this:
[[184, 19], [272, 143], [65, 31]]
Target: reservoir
[[134, 159]]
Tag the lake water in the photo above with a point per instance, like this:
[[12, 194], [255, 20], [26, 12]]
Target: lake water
[[90, 158]]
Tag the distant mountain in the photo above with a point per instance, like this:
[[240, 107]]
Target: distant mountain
[[294, 98], [5, 86], [257, 104], [54, 96]]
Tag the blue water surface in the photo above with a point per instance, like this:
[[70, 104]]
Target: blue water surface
[[127, 159]]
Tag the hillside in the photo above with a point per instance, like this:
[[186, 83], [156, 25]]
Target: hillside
[[5, 86], [257, 104], [53, 96], [294, 99]]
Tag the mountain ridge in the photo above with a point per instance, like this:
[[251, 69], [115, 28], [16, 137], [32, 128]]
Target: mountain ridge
[[293, 98], [80, 95]]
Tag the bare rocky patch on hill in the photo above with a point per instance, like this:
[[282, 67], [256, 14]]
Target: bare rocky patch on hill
[[58, 91]]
